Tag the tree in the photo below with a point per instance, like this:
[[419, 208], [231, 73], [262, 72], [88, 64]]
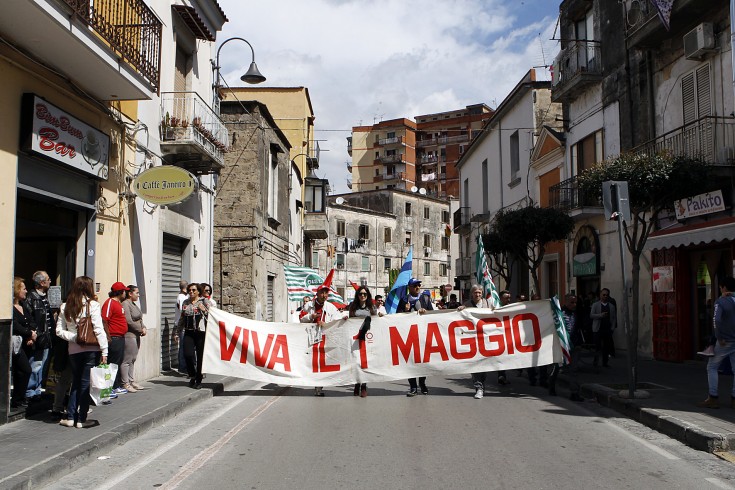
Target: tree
[[501, 257], [654, 183], [525, 232]]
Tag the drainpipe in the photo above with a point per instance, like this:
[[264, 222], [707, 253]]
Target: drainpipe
[[732, 39]]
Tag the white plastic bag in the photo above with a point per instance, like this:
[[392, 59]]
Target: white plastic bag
[[100, 380]]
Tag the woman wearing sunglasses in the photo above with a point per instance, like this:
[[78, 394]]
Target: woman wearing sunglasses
[[193, 322], [362, 307]]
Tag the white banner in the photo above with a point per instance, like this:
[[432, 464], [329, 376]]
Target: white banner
[[400, 346]]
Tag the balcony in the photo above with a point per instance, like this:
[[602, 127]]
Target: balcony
[[568, 197], [394, 140], [398, 158], [349, 184], [192, 134], [430, 177], [110, 49], [393, 176], [463, 266], [349, 167], [710, 138], [462, 219], [432, 159], [349, 145], [576, 67], [316, 226], [645, 29], [443, 140]]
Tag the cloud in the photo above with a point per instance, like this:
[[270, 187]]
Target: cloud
[[384, 59]]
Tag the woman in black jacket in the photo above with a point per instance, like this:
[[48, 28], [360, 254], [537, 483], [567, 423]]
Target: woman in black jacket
[[24, 328]]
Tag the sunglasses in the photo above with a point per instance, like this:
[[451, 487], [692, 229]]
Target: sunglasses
[[362, 294], [207, 290], [193, 290]]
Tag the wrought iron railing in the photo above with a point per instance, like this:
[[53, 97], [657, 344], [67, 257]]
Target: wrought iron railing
[[710, 138], [186, 117], [461, 217], [578, 58], [567, 195], [130, 28], [397, 158]]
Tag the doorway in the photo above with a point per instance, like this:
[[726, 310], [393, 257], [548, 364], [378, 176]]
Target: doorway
[[708, 268]]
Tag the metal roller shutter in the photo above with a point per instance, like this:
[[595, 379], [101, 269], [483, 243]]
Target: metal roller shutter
[[171, 271]]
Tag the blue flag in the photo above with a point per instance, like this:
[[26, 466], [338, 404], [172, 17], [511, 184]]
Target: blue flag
[[398, 290]]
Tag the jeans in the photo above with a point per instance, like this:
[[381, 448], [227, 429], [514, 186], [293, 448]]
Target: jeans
[[115, 353], [478, 380], [37, 361], [194, 354], [81, 365], [721, 352]]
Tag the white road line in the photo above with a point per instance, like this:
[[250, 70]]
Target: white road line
[[643, 442], [200, 459], [121, 477], [719, 483]]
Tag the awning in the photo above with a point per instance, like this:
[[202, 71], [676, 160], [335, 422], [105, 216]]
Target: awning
[[194, 22], [686, 236]]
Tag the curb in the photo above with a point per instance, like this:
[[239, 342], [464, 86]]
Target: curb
[[69, 460], [685, 432]]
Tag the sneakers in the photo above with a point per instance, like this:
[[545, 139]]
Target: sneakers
[[479, 393], [424, 390], [708, 352], [66, 422], [129, 388], [412, 392], [86, 424], [119, 391], [709, 403], [113, 395], [137, 386], [317, 391]]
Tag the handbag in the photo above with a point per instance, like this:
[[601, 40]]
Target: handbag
[[85, 331]]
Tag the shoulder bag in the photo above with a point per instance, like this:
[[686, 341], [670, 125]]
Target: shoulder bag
[[85, 330]]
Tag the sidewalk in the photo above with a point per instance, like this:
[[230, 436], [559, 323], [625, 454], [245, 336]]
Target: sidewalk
[[675, 389], [38, 450]]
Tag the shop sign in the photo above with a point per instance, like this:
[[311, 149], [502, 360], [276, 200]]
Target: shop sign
[[165, 185], [54, 134], [711, 202], [585, 264], [663, 279]]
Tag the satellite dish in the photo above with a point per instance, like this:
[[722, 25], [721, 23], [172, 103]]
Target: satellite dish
[[340, 200], [422, 191], [414, 189]]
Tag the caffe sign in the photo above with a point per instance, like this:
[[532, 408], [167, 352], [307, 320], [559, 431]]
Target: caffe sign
[[165, 185], [54, 134]]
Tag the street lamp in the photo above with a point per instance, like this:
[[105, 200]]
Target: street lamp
[[252, 76]]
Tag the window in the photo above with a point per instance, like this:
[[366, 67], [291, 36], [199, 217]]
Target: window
[[377, 155], [461, 149], [387, 235], [587, 152], [427, 240], [485, 183], [340, 227], [445, 216], [314, 196], [443, 270], [273, 184], [363, 232], [340, 261], [377, 172], [314, 259], [390, 169], [696, 94], [427, 268], [365, 263], [391, 134], [426, 212], [408, 238], [386, 263], [515, 155], [445, 243], [408, 209]]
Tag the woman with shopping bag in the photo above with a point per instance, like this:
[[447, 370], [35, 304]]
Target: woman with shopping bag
[[75, 315]]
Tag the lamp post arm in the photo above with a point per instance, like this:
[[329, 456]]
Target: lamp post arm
[[252, 51]]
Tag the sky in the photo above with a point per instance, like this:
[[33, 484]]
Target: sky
[[365, 61]]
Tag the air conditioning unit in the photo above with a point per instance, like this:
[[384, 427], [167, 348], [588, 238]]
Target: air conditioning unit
[[699, 41]]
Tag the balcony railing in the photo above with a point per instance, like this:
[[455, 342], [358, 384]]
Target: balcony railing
[[443, 140], [394, 140], [186, 119], [461, 217], [349, 167], [428, 177], [398, 158], [130, 28], [577, 66], [710, 138], [433, 159], [567, 195]]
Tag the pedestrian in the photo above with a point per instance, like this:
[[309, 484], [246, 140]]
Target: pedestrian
[[43, 320], [419, 302], [380, 305], [477, 301], [195, 328], [453, 304], [604, 321], [320, 311], [362, 307], [136, 330], [504, 301], [24, 334], [569, 312], [183, 296], [113, 317], [207, 294], [724, 320], [79, 304]]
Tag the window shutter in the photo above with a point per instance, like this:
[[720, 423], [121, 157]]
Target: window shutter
[[704, 93], [687, 97]]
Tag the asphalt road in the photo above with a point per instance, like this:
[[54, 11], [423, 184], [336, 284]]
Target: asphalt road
[[517, 437]]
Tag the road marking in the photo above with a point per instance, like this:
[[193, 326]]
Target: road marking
[[121, 477], [718, 483], [206, 454], [643, 442]]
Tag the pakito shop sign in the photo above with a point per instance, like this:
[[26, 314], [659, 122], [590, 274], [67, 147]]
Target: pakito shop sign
[[711, 202], [54, 134], [165, 185]]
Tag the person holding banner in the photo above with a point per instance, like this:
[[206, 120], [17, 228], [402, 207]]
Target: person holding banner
[[193, 323], [416, 301], [477, 301], [320, 311], [362, 307]]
